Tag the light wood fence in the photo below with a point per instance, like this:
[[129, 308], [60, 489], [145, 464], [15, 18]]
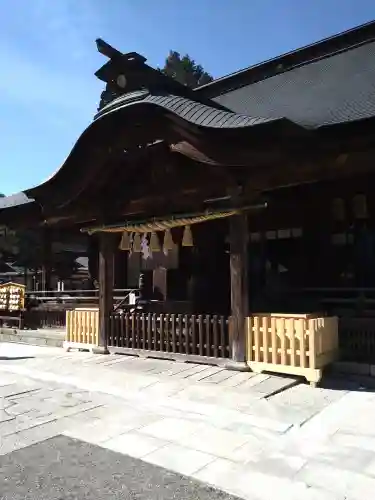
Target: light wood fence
[[292, 344], [82, 328]]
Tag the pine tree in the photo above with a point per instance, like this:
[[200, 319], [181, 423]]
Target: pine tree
[[185, 70]]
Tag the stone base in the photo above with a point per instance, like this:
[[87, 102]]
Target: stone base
[[41, 337], [353, 368], [238, 366], [99, 350]]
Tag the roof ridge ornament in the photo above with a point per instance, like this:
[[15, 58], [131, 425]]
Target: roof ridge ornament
[[125, 73], [122, 73], [107, 50]]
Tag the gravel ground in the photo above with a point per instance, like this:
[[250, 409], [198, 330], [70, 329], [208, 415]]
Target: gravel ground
[[62, 468]]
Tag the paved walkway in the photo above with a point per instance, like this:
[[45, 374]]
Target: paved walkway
[[254, 436]]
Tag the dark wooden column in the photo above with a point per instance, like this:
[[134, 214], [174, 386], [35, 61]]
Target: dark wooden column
[[46, 259], [93, 258], [238, 232], [106, 264], [121, 269]]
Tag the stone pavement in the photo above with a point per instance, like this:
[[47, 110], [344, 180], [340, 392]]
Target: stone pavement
[[253, 436]]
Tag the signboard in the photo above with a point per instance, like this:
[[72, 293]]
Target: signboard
[[12, 297]]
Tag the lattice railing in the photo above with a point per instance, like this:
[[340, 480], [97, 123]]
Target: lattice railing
[[202, 335]]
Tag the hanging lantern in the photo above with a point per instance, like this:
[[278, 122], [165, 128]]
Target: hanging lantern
[[125, 243], [187, 239], [360, 206], [154, 242], [137, 247], [168, 240]]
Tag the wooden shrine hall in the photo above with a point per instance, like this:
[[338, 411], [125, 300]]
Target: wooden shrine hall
[[204, 191]]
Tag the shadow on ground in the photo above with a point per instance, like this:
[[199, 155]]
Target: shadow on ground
[[348, 382], [15, 358], [62, 467]]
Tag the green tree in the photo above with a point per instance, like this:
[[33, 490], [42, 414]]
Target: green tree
[[185, 70]]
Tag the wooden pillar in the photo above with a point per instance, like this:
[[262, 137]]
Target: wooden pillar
[[121, 269], [106, 261], [46, 259], [238, 232], [159, 283], [93, 258]]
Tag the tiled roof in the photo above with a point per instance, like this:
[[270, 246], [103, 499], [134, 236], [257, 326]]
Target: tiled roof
[[14, 200], [333, 90], [192, 111]]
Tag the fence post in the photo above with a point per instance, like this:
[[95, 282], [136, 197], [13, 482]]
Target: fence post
[[312, 342]]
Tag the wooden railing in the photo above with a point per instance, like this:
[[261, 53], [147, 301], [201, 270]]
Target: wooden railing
[[336, 301], [202, 335], [44, 318], [35, 319], [294, 344], [357, 339], [53, 299]]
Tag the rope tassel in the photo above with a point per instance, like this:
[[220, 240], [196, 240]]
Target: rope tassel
[[168, 240], [125, 243], [187, 239], [154, 243], [137, 247]]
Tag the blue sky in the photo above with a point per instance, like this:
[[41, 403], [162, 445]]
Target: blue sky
[[48, 92]]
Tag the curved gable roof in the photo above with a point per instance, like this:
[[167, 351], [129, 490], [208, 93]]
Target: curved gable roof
[[327, 83]]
